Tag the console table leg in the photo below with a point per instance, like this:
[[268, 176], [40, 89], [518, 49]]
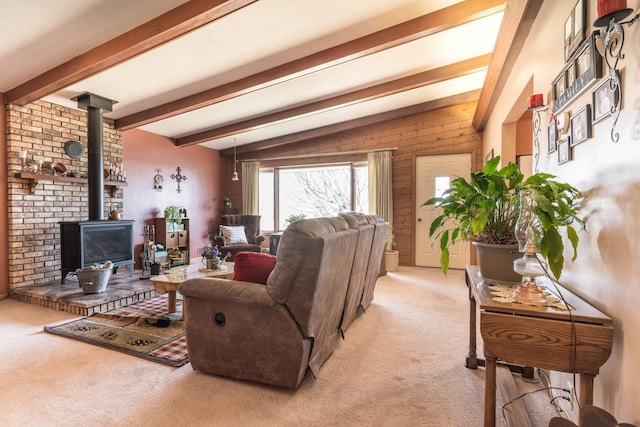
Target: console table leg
[[471, 360], [490, 391], [586, 389]]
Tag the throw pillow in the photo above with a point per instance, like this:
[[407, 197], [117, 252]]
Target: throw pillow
[[234, 234], [253, 267]]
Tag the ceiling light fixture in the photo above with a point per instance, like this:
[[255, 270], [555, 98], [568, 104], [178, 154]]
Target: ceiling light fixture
[[235, 172]]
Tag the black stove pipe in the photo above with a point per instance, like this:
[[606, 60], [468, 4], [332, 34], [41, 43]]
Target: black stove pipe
[[95, 173], [95, 104]]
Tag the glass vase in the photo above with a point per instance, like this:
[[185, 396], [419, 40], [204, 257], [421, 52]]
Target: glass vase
[[528, 230]]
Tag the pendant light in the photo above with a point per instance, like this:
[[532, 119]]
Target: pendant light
[[235, 172]]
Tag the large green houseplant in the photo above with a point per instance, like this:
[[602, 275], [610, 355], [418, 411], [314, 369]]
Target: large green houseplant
[[486, 208]]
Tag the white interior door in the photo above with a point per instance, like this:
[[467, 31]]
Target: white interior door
[[433, 176]]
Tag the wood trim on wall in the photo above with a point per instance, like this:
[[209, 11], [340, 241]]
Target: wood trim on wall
[[4, 201], [443, 131]]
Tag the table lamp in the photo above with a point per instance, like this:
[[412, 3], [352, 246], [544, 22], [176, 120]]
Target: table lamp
[[529, 234]]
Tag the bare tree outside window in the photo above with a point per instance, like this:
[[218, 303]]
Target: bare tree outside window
[[319, 191], [324, 190], [362, 187]]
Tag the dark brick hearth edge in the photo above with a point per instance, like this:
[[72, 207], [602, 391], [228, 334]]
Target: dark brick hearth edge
[[121, 291]]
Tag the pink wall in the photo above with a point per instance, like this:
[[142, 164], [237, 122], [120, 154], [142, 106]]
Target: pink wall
[[202, 191]]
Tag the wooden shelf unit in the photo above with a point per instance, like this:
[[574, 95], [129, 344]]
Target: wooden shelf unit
[[173, 239], [34, 178]]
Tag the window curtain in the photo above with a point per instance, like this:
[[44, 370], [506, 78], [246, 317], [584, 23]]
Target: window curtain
[[250, 190], [380, 185]]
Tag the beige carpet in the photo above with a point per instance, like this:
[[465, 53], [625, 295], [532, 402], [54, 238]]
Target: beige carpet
[[402, 364]]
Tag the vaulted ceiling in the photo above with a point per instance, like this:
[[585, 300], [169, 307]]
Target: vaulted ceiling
[[259, 73]]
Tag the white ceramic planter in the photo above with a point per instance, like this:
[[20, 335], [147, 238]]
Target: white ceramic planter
[[392, 260]]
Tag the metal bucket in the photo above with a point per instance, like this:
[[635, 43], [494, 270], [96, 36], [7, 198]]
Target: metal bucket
[[93, 281]]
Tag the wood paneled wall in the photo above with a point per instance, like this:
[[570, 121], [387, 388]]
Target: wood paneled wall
[[443, 131]]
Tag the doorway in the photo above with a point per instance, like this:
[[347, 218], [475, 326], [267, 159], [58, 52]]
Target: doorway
[[433, 176]]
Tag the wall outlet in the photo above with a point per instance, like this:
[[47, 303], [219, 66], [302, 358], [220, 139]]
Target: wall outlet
[[572, 393]]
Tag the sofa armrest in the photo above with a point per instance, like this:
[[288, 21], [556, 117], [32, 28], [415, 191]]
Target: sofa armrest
[[246, 293], [236, 329], [259, 239]]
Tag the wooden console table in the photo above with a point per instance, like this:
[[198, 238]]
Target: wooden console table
[[544, 337]]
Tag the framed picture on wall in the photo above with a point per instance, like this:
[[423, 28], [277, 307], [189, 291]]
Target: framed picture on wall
[[574, 29], [580, 72], [552, 137], [559, 84], [564, 150], [581, 125], [489, 156], [583, 63], [604, 100], [571, 75]]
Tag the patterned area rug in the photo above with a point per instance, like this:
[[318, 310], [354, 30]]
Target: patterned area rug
[[142, 329]]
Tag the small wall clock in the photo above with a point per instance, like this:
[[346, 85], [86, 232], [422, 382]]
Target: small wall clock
[[158, 180]]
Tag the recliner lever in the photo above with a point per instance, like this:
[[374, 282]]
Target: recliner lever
[[219, 319]]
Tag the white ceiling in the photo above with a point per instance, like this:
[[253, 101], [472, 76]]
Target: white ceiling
[[258, 37]]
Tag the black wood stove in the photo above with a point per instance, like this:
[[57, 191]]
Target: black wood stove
[[97, 240]]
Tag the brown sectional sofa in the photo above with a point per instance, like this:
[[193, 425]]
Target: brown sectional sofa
[[274, 333], [372, 236]]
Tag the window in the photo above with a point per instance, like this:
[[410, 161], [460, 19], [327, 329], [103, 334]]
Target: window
[[287, 193], [442, 184], [361, 187], [266, 190]]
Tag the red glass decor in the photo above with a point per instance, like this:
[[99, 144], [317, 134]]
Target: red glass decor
[[606, 7], [535, 101], [611, 9]]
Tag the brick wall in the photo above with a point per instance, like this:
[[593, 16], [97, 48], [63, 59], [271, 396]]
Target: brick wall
[[34, 235]]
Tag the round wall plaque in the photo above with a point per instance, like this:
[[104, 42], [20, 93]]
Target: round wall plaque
[[74, 149]]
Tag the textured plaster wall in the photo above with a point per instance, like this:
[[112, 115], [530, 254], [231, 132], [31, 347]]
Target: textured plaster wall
[[201, 194], [605, 273]]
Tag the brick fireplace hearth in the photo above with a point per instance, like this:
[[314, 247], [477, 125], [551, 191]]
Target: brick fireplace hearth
[[122, 290]]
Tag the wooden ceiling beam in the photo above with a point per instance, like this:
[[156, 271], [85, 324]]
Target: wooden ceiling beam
[[516, 24], [414, 81], [166, 27], [320, 132], [414, 29]]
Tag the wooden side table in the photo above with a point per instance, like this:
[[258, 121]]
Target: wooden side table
[[576, 341], [164, 284]]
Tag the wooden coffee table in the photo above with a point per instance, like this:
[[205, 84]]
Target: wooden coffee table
[[164, 284]]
